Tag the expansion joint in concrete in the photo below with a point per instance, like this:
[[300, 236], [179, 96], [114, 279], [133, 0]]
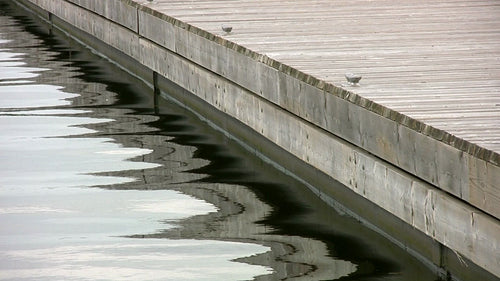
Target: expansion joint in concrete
[[156, 92]]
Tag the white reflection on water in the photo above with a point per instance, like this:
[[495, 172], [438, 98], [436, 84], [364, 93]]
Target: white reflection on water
[[143, 259], [35, 155], [33, 95], [55, 226], [76, 237]]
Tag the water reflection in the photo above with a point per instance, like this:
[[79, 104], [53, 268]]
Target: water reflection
[[175, 200], [28, 95], [53, 226]]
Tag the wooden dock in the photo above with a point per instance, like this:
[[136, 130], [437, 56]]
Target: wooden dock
[[434, 61]]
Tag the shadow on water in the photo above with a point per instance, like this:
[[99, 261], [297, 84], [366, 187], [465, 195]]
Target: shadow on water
[[256, 203]]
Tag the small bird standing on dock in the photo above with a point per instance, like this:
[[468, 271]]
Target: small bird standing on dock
[[227, 28], [352, 79]]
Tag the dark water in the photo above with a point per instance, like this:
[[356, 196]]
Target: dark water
[[94, 185]]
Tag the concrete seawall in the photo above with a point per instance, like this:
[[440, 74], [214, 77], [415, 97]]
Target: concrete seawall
[[444, 188]]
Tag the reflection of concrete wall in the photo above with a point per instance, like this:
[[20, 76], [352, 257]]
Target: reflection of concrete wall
[[239, 208], [270, 98], [292, 257], [95, 93]]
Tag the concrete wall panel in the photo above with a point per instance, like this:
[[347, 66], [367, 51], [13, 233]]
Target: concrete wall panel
[[407, 146], [419, 195], [123, 12], [342, 118], [484, 228], [452, 171], [156, 30], [379, 134], [484, 182]]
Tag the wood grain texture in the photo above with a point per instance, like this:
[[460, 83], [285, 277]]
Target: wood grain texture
[[435, 61]]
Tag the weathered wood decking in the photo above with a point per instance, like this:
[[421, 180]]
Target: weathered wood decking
[[434, 61]]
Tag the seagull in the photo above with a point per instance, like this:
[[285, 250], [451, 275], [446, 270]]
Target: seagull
[[227, 28], [352, 78]]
